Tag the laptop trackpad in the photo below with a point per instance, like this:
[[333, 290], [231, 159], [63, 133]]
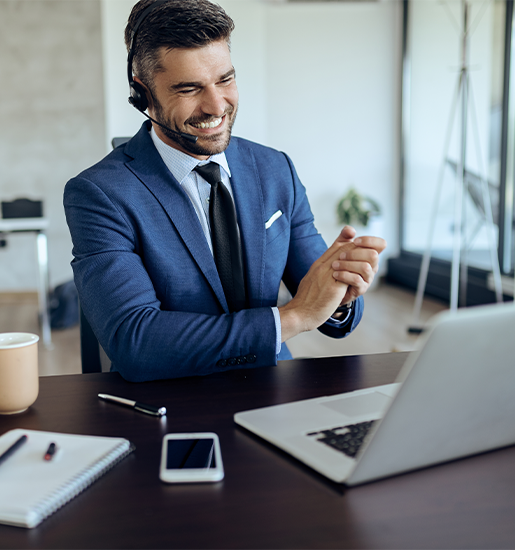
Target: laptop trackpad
[[373, 403]]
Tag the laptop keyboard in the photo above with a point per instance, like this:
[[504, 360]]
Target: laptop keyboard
[[346, 439]]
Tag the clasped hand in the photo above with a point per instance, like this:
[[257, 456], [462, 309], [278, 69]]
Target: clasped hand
[[355, 262], [344, 272]]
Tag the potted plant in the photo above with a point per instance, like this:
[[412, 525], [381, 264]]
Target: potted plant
[[356, 209]]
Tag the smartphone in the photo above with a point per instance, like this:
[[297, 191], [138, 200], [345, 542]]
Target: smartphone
[[191, 457]]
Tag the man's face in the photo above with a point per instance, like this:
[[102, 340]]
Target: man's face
[[196, 93]]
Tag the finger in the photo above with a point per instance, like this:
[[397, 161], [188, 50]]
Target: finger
[[359, 255], [346, 234], [354, 280], [376, 243], [362, 269], [351, 294], [332, 252]]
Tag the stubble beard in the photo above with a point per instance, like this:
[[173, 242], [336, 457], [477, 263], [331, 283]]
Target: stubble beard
[[205, 145]]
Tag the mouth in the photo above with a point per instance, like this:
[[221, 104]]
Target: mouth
[[208, 125]]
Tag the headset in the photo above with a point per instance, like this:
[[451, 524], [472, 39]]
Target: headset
[[138, 96]]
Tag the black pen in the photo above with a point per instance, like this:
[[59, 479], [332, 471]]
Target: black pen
[[16, 445], [148, 409]]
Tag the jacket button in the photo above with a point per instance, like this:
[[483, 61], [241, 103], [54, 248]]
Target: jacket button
[[241, 360], [232, 361], [221, 363], [251, 358]]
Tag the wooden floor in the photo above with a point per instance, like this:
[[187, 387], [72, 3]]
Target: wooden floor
[[388, 313], [19, 313]]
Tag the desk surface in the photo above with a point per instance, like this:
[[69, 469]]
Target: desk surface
[[23, 224], [267, 499]]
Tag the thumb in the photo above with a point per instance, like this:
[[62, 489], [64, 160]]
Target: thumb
[[346, 235]]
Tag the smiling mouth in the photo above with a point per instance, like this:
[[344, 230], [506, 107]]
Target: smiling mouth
[[205, 125]]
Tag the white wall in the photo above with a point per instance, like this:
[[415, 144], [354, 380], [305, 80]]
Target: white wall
[[319, 81], [121, 118], [333, 84]]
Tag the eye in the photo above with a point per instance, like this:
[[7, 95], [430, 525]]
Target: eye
[[227, 81], [187, 91]]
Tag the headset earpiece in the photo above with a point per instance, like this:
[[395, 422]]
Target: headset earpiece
[[138, 97]]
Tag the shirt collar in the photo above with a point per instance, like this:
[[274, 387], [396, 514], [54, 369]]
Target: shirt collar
[[181, 164]]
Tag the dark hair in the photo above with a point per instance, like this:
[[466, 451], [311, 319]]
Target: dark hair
[[173, 24]]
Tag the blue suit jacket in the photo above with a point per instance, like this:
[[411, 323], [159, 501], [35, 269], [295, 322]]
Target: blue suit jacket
[[147, 280]]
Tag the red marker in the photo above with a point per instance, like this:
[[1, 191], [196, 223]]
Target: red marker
[[52, 448]]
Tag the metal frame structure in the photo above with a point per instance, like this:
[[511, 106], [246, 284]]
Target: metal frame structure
[[504, 253]]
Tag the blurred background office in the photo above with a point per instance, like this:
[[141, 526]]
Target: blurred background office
[[358, 93]]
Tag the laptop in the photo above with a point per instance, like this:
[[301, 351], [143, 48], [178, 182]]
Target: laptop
[[454, 397]]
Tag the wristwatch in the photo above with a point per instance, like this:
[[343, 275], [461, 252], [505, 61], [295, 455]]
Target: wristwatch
[[345, 308]]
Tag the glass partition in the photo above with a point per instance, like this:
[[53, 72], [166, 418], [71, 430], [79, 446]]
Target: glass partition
[[452, 171]]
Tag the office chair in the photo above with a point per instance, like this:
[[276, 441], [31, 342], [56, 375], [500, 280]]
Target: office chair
[[117, 141], [19, 208], [89, 347], [22, 208], [93, 357]]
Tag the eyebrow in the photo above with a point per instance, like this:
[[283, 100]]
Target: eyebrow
[[180, 85]]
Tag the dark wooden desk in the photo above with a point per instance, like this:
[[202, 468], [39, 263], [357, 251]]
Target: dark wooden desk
[[268, 499]]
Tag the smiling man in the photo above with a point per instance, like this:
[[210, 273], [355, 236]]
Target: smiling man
[[206, 106], [182, 236]]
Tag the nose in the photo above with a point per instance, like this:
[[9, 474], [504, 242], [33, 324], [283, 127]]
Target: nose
[[213, 101]]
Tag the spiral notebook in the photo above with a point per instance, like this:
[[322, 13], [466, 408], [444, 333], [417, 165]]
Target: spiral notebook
[[32, 488]]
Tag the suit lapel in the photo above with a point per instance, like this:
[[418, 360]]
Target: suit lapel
[[149, 168], [248, 196]]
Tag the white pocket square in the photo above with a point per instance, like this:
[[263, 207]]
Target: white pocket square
[[272, 219]]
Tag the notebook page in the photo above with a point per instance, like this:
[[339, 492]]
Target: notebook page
[[32, 488]]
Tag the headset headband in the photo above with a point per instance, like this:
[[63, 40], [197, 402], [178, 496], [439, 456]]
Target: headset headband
[[147, 11], [137, 97]]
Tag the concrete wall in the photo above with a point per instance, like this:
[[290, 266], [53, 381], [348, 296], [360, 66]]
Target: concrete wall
[[51, 119]]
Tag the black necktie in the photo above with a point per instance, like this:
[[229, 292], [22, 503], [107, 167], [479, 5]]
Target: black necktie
[[225, 237]]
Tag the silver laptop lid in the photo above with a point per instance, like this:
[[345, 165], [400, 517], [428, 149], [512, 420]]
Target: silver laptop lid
[[457, 396]]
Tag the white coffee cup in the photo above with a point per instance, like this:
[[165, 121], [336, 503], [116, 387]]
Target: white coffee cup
[[19, 377]]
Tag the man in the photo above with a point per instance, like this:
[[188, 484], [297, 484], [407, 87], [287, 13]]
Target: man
[[149, 262]]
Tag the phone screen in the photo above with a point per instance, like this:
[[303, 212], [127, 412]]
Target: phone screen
[[190, 454]]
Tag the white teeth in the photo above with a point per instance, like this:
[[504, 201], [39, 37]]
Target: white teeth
[[212, 124]]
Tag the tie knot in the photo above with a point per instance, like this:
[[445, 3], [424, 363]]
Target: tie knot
[[210, 172]]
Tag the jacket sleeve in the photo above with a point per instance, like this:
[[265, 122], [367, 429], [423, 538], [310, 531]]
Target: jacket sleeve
[[121, 302]]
